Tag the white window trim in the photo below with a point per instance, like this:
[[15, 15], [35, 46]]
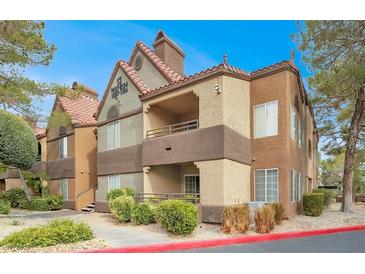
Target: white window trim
[[64, 180], [117, 175], [186, 175], [292, 123], [63, 154], [277, 120], [297, 175], [117, 135], [254, 184]]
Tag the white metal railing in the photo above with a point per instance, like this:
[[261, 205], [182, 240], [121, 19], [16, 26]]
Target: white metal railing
[[172, 129]]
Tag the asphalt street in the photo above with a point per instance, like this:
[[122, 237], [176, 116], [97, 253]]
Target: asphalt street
[[339, 242]]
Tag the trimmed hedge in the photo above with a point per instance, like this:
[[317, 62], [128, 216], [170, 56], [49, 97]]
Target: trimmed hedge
[[265, 219], [278, 212], [122, 208], [144, 213], [328, 195], [236, 218], [51, 202], [177, 217], [59, 231], [4, 207], [313, 204], [15, 197]]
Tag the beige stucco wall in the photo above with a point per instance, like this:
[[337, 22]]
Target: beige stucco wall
[[162, 179], [131, 180], [150, 75], [224, 182], [126, 102], [131, 130], [13, 183], [236, 104]]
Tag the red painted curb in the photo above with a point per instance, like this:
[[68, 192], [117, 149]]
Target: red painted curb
[[221, 242]]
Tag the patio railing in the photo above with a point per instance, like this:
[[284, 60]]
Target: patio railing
[[172, 129], [158, 197]]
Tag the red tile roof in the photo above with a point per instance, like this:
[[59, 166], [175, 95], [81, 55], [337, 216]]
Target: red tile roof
[[166, 71], [188, 79], [81, 110], [273, 67], [39, 132], [133, 76]]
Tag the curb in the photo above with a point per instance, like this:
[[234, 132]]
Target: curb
[[164, 247]]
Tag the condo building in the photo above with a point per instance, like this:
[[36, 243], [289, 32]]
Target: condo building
[[67, 150], [223, 134]]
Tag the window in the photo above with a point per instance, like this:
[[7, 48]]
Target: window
[[192, 184], [64, 188], [113, 135], [296, 186], [63, 147], [266, 119], [293, 123], [113, 182], [266, 185], [300, 139]]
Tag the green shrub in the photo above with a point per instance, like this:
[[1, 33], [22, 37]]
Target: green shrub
[[51, 202], [122, 208], [4, 207], [278, 212], [144, 213], [236, 218], [114, 193], [264, 219], [313, 204], [177, 217], [328, 195], [59, 231], [15, 196], [55, 202]]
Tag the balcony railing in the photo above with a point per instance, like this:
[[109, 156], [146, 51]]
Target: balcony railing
[[172, 129], [158, 197]]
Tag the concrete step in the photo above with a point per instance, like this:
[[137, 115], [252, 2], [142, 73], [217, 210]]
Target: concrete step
[[87, 209], [90, 206]]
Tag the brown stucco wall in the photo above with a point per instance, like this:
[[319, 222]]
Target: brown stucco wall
[[122, 160], [63, 168], [54, 187], [211, 143]]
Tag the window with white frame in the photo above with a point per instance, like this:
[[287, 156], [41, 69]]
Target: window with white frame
[[299, 191], [64, 189], [266, 185], [266, 119], [63, 147], [113, 181], [300, 133], [293, 123], [113, 135], [295, 186], [192, 184]]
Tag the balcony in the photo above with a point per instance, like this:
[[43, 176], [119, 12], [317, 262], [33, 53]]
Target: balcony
[[172, 129]]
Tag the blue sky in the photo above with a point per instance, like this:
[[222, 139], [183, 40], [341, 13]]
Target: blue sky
[[87, 50]]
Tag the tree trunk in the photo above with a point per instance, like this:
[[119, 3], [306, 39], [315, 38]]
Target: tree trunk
[[25, 187], [351, 150]]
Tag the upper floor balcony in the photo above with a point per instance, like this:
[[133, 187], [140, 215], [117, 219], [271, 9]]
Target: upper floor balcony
[[172, 129]]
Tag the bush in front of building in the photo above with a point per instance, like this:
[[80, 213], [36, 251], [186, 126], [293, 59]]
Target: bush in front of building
[[236, 218], [118, 192], [278, 212], [313, 204], [59, 231], [47, 203], [122, 208], [178, 217], [265, 219], [4, 207], [144, 213], [328, 195], [15, 197]]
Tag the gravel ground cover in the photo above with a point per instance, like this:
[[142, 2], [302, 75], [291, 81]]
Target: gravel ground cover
[[111, 233]]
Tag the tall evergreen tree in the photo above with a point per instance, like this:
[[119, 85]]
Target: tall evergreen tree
[[335, 53]]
